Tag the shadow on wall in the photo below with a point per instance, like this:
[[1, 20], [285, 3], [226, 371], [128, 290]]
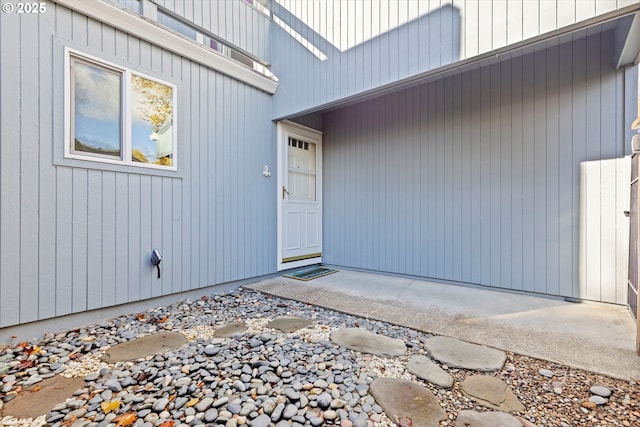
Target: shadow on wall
[[346, 50]]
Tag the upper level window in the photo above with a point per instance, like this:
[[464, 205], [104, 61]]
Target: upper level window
[[261, 5], [133, 5], [181, 26], [116, 115]]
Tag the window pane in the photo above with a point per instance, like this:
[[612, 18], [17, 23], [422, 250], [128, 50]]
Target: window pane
[[97, 129], [302, 170], [151, 122]]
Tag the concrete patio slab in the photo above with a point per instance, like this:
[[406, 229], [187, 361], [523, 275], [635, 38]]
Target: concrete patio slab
[[592, 336]]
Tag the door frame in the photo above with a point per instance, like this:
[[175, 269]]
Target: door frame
[[286, 129]]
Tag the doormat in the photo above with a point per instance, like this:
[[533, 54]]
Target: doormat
[[310, 273]]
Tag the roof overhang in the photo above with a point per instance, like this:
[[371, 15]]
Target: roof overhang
[[624, 21]]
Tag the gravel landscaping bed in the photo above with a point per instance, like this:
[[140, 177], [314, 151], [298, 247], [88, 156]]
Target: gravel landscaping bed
[[263, 376]]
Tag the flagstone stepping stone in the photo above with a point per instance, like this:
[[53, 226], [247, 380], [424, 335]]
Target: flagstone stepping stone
[[425, 368], [145, 346], [42, 397], [406, 400], [460, 354], [364, 341], [491, 392], [468, 418], [289, 324], [231, 329]]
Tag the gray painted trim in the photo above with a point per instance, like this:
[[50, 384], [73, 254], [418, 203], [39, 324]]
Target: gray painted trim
[[59, 95]]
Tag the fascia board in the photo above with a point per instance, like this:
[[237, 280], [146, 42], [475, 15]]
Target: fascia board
[[151, 32]]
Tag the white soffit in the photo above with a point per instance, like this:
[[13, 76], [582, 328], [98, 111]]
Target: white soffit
[[147, 30]]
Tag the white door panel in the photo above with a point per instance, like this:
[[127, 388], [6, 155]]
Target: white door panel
[[300, 196], [292, 230], [313, 227]]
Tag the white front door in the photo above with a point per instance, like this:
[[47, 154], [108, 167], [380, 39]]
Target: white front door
[[299, 196]]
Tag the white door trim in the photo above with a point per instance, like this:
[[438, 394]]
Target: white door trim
[[286, 129]]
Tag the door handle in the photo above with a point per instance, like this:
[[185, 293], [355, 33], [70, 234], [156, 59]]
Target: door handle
[[284, 190]]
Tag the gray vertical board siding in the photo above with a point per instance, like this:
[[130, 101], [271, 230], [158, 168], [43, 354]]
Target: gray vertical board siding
[[579, 106], [75, 235], [198, 178], [207, 162], [540, 169], [178, 279], [121, 267], [134, 244], [476, 226], [506, 163], [147, 278], [448, 179], [397, 44], [227, 181], [464, 178], [495, 175], [219, 122], [484, 161], [568, 239], [9, 171], [79, 242], [518, 183], [592, 172], [47, 179], [567, 12], [63, 278], [517, 168], [609, 122], [515, 21], [96, 224], [552, 214], [456, 179], [529, 262], [29, 174], [157, 238]]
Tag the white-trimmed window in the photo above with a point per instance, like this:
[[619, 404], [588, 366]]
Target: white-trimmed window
[[116, 115]]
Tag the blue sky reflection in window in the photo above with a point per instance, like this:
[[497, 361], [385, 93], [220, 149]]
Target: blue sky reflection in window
[[97, 118]]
